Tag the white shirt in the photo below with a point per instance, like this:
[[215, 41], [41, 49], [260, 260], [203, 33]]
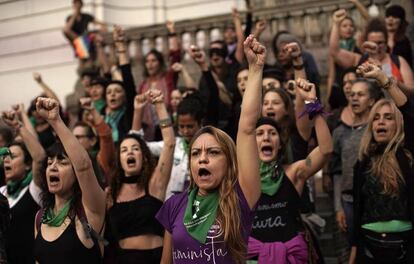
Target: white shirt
[[180, 170]]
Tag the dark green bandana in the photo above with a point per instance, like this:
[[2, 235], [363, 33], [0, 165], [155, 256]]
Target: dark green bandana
[[15, 187], [271, 177], [99, 105], [347, 44], [50, 218], [200, 214], [112, 119], [186, 147]]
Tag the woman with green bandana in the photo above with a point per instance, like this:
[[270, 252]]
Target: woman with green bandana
[[119, 95], [67, 227], [210, 223], [22, 163], [277, 232]]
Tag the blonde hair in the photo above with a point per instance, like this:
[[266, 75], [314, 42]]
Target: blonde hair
[[384, 166], [228, 212]]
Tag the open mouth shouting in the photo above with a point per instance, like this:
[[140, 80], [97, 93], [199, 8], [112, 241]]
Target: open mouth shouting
[[131, 162], [54, 181], [204, 173], [271, 114]]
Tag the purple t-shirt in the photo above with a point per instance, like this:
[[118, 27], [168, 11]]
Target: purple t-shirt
[[187, 250]]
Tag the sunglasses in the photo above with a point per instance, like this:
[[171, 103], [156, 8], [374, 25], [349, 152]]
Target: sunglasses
[[218, 52]]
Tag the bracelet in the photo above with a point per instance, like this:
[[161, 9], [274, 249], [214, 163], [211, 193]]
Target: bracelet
[[389, 83], [299, 67], [121, 51], [173, 34], [313, 109], [165, 123]]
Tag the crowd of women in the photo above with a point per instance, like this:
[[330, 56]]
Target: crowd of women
[[217, 172]]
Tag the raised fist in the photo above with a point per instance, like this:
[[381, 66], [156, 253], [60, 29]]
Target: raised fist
[[254, 51], [47, 108]]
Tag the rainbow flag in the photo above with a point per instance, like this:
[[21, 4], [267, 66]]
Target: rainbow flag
[[82, 46]]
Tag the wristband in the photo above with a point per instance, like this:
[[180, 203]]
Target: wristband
[[299, 67], [165, 123], [389, 83], [173, 34]]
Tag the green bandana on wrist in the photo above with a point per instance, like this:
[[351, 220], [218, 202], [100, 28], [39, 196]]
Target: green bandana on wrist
[[15, 187], [200, 214], [271, 177], [50, 218]]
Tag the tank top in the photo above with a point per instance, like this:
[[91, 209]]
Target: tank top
[[136, 217], [277, 217], [66, 249], [19, 237]]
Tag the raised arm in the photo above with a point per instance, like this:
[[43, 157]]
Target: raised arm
[[45, 88], [212, 112], [93, 197], [161, 176], [361, 9], [239, 53], [304, 169], [344, 58], [260, 26], [172, 36], [19, 108], [303, 124], [121, 48], [370, 70], [101, 56], [106, 153], [247, 154], [36, 150], [184, 74], [139, 103]]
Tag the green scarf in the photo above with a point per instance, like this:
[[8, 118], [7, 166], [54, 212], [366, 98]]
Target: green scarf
[[347, 44], [112, 119], [200, 214], [99, 105], [270, 183], [50, 218], [15, 187], [186, 147]]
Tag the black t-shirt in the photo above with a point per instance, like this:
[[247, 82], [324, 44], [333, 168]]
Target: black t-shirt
[[81, 26]]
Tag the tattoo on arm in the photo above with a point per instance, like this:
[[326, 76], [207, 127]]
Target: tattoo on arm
[[308, 162], [161, 167]]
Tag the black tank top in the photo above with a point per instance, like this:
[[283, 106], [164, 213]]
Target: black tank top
[[19, 237], [136, 217], [66, 249], [277, 217]]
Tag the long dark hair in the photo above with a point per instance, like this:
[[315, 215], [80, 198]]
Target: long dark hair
[[148, 166], [160, 58]]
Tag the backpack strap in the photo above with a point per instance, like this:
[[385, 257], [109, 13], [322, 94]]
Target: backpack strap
[[89, 231], [38, 218]]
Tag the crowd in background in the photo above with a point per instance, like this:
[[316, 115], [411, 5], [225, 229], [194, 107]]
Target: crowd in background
[[216, 170]]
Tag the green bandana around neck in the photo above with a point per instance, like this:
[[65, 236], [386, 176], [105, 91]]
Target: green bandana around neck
[[51, 219], [270, 183], [99, 105], [15, 187], [347, 44], [200, 214], [112, 119], [186, 146]]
